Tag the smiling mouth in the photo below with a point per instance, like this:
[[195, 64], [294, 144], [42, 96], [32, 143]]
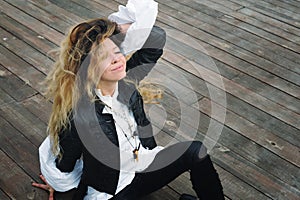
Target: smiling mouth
[[118, 68]]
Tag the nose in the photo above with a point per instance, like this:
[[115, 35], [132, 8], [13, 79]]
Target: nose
[[116, 58]]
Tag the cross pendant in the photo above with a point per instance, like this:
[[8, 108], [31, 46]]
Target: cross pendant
[[135, 154]]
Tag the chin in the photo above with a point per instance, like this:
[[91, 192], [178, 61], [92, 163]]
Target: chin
[[121, 76]]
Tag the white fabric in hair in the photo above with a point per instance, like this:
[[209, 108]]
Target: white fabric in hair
[[142, 14]]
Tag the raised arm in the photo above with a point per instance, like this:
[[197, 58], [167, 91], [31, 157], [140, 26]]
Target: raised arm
[[151, 50], [143, 60]]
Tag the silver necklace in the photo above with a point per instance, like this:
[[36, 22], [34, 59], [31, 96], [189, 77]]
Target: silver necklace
[[134, 133]]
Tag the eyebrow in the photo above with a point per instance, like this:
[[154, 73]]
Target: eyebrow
[[117, 48]]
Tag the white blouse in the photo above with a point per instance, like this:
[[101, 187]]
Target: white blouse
[[124, 122]]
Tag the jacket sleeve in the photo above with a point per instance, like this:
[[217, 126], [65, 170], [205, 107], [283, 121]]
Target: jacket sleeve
[[143, 60], [70, 148]]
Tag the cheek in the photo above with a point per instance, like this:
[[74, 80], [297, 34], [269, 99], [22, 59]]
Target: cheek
[[105, 75], [124, 59]]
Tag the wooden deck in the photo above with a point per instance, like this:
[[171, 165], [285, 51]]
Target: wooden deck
[[254, 43]]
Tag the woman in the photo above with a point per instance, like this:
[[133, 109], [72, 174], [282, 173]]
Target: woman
[[99, 118], [92, 41]]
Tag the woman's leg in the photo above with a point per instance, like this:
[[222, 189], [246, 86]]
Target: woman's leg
[[193, 158]]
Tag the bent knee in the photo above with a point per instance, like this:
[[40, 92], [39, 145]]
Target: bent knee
[[200, 151]]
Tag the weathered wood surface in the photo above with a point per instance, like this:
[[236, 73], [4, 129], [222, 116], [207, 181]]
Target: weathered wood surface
[[254, 44]]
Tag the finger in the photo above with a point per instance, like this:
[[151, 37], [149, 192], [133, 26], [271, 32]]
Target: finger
[[51, 195], [43, 179], [42, 186]]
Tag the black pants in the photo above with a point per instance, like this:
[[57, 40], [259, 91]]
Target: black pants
[[193, 158]]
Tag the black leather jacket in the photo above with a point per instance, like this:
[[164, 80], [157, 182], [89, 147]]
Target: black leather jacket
[[96, 173]]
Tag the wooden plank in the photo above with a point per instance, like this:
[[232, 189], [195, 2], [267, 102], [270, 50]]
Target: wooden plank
[[22, 69], [277, 10], [271, 93], [266, 139], [27, 53], [182, 185], [260, 9], [94, 7], [294, 3], [234, 184], [228, 12], [27, 35], [252, 114], [281, 65], [59, 12], [269, 28], [187, 95], [263, 119], [241, 92], [256, 86], [231, 60], [15, 87], [19, 148], [211, 4], [271, 21], [227, 27], [269, 185], [232, 30], [261, 33], [228, 4], [34, 24], [164, 193], [23, 120], [3, 195], [258, 60], [77, 9], [38, 106], [204, 8], [235, 62], [14, 180], [51, 20]]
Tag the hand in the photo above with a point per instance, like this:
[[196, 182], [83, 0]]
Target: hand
[[45, 186], [124, 27]]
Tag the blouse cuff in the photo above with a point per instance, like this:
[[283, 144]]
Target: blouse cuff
[[59, 181]]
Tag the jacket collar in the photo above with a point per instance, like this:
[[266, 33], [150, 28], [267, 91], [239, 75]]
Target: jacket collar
[[126, 92], [126, 95]]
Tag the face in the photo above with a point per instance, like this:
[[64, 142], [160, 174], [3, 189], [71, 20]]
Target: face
[[115, 61]]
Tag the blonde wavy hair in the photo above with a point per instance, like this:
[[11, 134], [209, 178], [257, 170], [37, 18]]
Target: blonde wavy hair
[[83, 40]]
